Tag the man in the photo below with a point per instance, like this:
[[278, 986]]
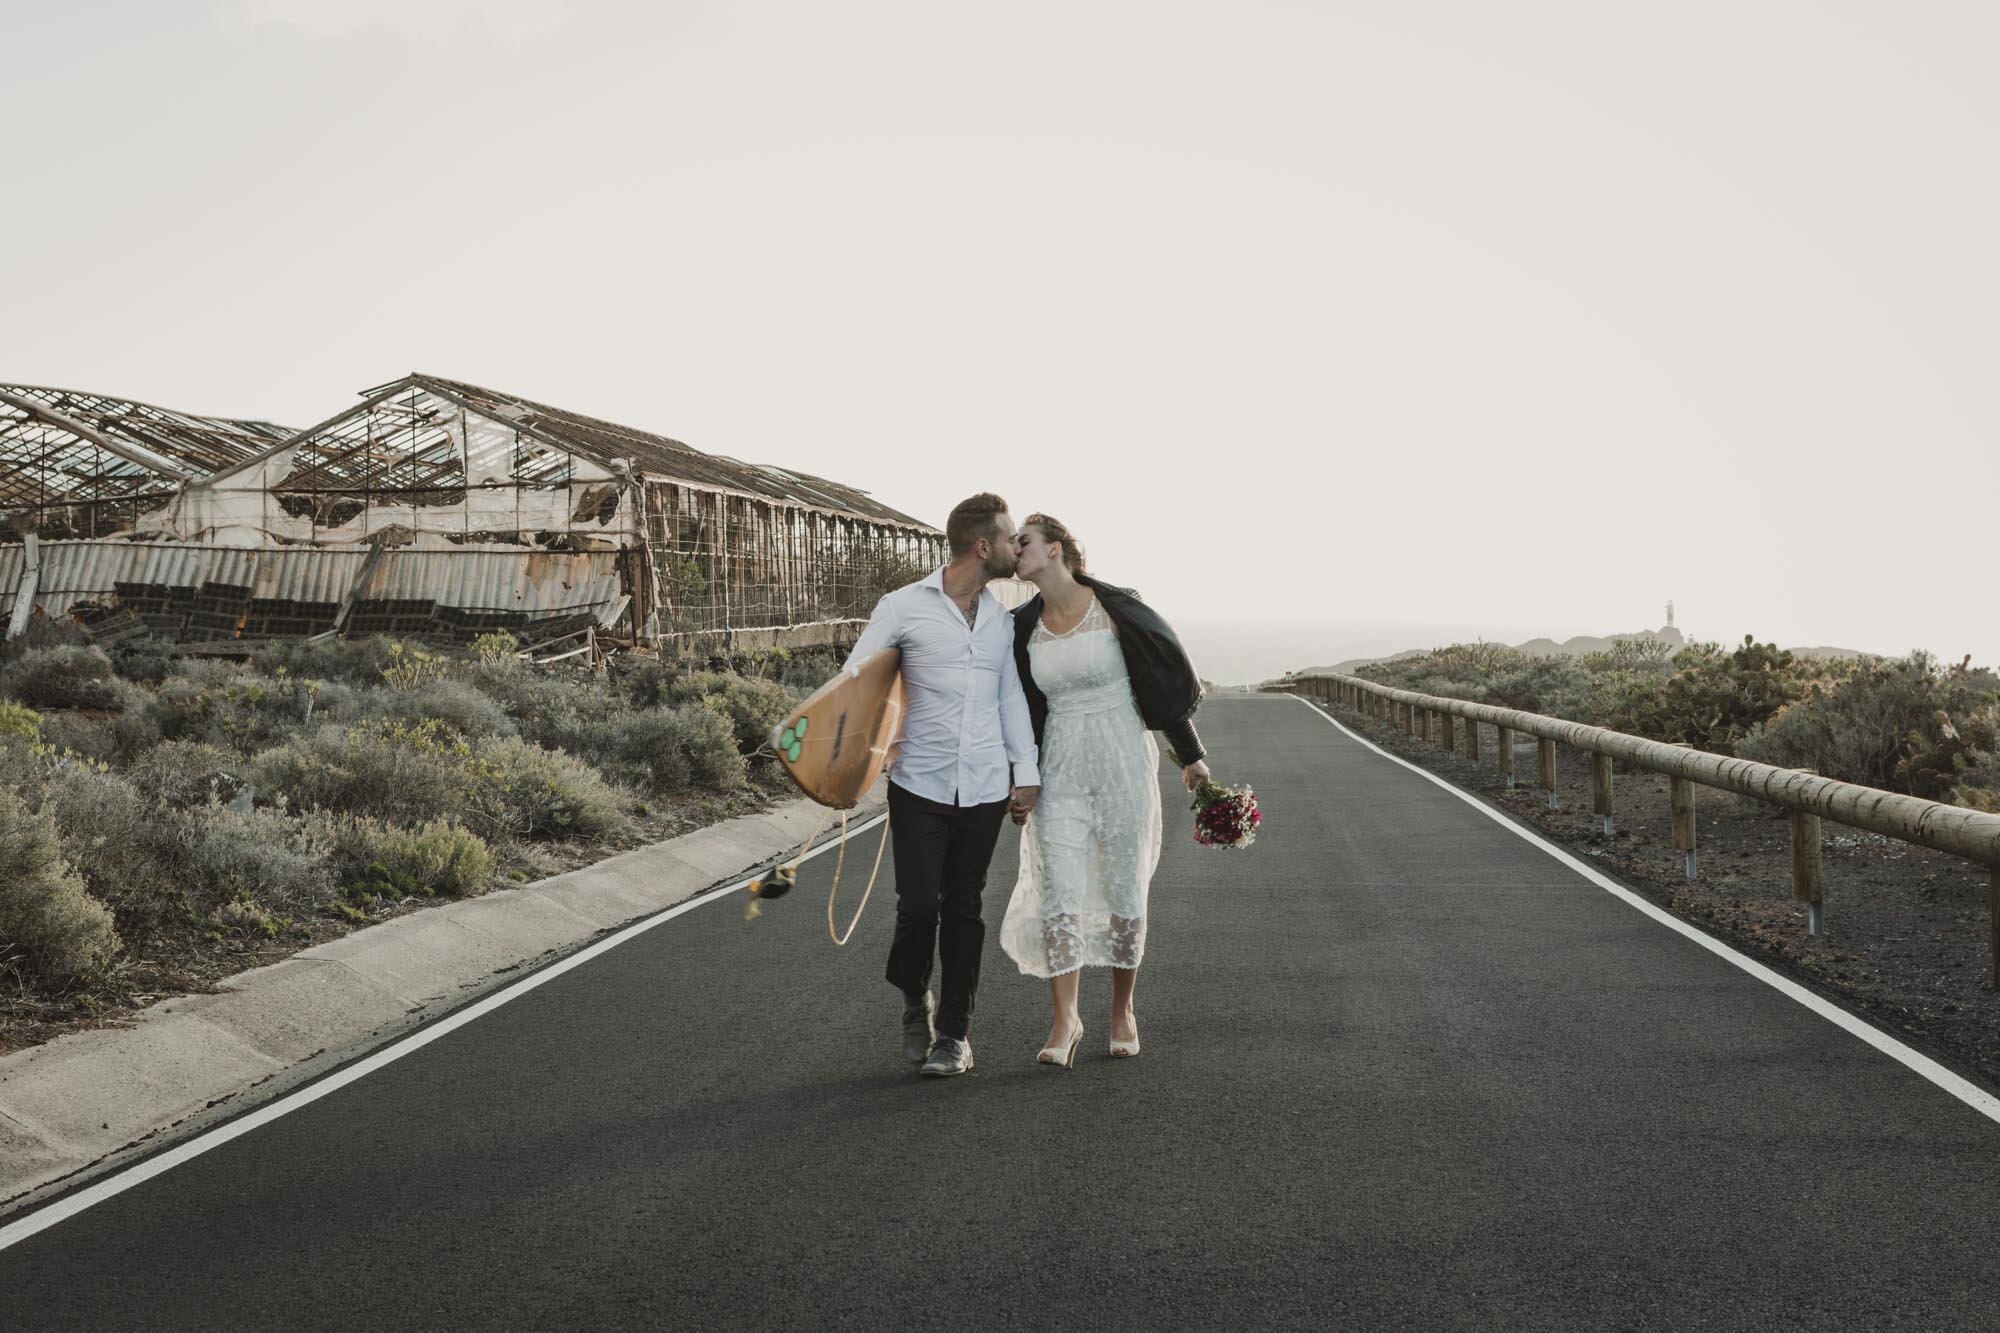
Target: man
[[965, 726]]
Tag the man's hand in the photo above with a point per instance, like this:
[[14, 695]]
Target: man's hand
[[1022, 803]]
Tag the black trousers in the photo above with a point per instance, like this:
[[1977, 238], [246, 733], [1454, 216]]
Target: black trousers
[[941, 856]]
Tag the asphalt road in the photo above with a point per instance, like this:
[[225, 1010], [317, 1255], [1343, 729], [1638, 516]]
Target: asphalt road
[[1401, 1068]]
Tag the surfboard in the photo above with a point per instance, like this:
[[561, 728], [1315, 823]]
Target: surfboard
[[835, 744]]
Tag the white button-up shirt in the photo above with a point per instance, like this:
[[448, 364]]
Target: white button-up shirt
[[965, 718]]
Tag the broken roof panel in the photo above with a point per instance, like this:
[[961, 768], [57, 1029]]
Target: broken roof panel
[[80, 464], [197, 444], [604, 442]]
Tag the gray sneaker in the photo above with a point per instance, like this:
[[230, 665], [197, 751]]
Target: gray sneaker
[[951, 1055], [918, 1029]]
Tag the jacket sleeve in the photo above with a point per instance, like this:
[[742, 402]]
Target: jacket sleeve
[[1185, 741], [1017, 727]]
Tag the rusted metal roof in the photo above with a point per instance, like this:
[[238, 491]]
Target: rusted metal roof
[[659, 457]]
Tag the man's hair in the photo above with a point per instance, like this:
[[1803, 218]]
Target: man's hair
[[972, 519]]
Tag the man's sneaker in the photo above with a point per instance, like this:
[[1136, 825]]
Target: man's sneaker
[[951, 1055], [918, 1030]]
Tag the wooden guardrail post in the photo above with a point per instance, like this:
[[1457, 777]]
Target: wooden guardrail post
[[1600, 788], [1423, 724], [1446, 741], [1503, 747], [1472, 739], [1545, 755], [1681, 793], [1808, 875]]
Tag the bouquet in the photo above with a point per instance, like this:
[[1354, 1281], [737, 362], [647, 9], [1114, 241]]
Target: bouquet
[[1225, 816]]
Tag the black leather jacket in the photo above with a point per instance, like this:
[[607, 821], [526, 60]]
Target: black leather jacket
[[1164, 684]]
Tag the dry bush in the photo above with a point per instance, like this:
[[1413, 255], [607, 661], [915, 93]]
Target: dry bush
[[1904, 725], [408, 773], [51, 930], [127, 848], [462, 707], [180, 774], [274, 862], [521, 789], [375, 860], [66, 677]]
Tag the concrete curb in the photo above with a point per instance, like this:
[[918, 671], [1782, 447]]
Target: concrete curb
[[84, 1104]]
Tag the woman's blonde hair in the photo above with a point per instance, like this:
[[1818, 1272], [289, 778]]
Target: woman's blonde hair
[[1054, 530]]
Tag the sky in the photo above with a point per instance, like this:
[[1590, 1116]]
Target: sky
[[1333, 328]]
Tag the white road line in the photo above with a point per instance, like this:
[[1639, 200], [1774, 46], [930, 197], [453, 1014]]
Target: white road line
[[1972, 1095], [70, 1205]]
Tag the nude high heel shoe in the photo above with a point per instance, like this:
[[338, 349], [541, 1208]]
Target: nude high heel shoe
[[1062, 1055], [1126, 1049]]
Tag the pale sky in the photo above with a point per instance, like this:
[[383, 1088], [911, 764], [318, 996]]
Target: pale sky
[[1359, 326]]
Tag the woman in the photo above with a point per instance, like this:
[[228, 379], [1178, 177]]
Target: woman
[[1101, 671]]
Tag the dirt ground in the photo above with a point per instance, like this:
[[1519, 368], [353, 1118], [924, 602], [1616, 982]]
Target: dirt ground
[[183, 960], [1906, 942]]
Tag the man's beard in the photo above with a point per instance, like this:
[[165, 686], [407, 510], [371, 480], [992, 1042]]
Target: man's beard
[[999, 565]]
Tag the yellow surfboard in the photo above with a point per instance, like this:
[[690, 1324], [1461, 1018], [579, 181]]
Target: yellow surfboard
[[835, 744]]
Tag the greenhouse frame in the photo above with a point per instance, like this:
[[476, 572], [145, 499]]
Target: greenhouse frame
[[431, 509]]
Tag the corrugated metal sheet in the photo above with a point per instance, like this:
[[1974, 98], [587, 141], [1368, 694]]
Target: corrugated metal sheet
[[542, 582], [536, 582]]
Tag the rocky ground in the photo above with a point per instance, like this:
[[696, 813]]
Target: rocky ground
[[1906, 939]]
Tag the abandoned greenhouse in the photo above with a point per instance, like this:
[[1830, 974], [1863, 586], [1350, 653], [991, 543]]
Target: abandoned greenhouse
[[431, 509]]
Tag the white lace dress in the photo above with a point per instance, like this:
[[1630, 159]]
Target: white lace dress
[[1089, 850]]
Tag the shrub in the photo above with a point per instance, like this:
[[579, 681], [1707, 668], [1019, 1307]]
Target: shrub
[[245, 710], [535, 698], [495, 647], [1977, 781], [178, 775], [1556, 686], [125, 847], [144, 661], [1903, 725], [373, 859], [19, 722], [50, 927], [393, 770], [461, 707], [530, 792], [259, 857], [64, 677], [753, 707], [411, 666], [663, 748], [44, 631], [350, 661]]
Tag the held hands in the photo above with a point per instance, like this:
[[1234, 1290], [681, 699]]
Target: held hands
[[1021, 803], [1193, 775]]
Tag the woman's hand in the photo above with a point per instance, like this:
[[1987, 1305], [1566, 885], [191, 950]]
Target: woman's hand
[[1195, 774]]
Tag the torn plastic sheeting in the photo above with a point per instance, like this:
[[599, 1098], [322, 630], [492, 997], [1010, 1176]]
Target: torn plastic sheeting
[[200, 511]]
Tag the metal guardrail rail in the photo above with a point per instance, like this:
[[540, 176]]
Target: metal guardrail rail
[[1809, 797]]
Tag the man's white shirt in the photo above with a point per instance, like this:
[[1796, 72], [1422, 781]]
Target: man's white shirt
[[965, 718]]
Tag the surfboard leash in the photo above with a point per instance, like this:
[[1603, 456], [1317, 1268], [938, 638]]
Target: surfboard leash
[[783, 877]]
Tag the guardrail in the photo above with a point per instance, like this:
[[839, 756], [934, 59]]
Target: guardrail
[[1810, 798]]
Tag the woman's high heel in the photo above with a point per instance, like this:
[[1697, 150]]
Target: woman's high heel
[[1060, 1055], [1126, 1048]]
